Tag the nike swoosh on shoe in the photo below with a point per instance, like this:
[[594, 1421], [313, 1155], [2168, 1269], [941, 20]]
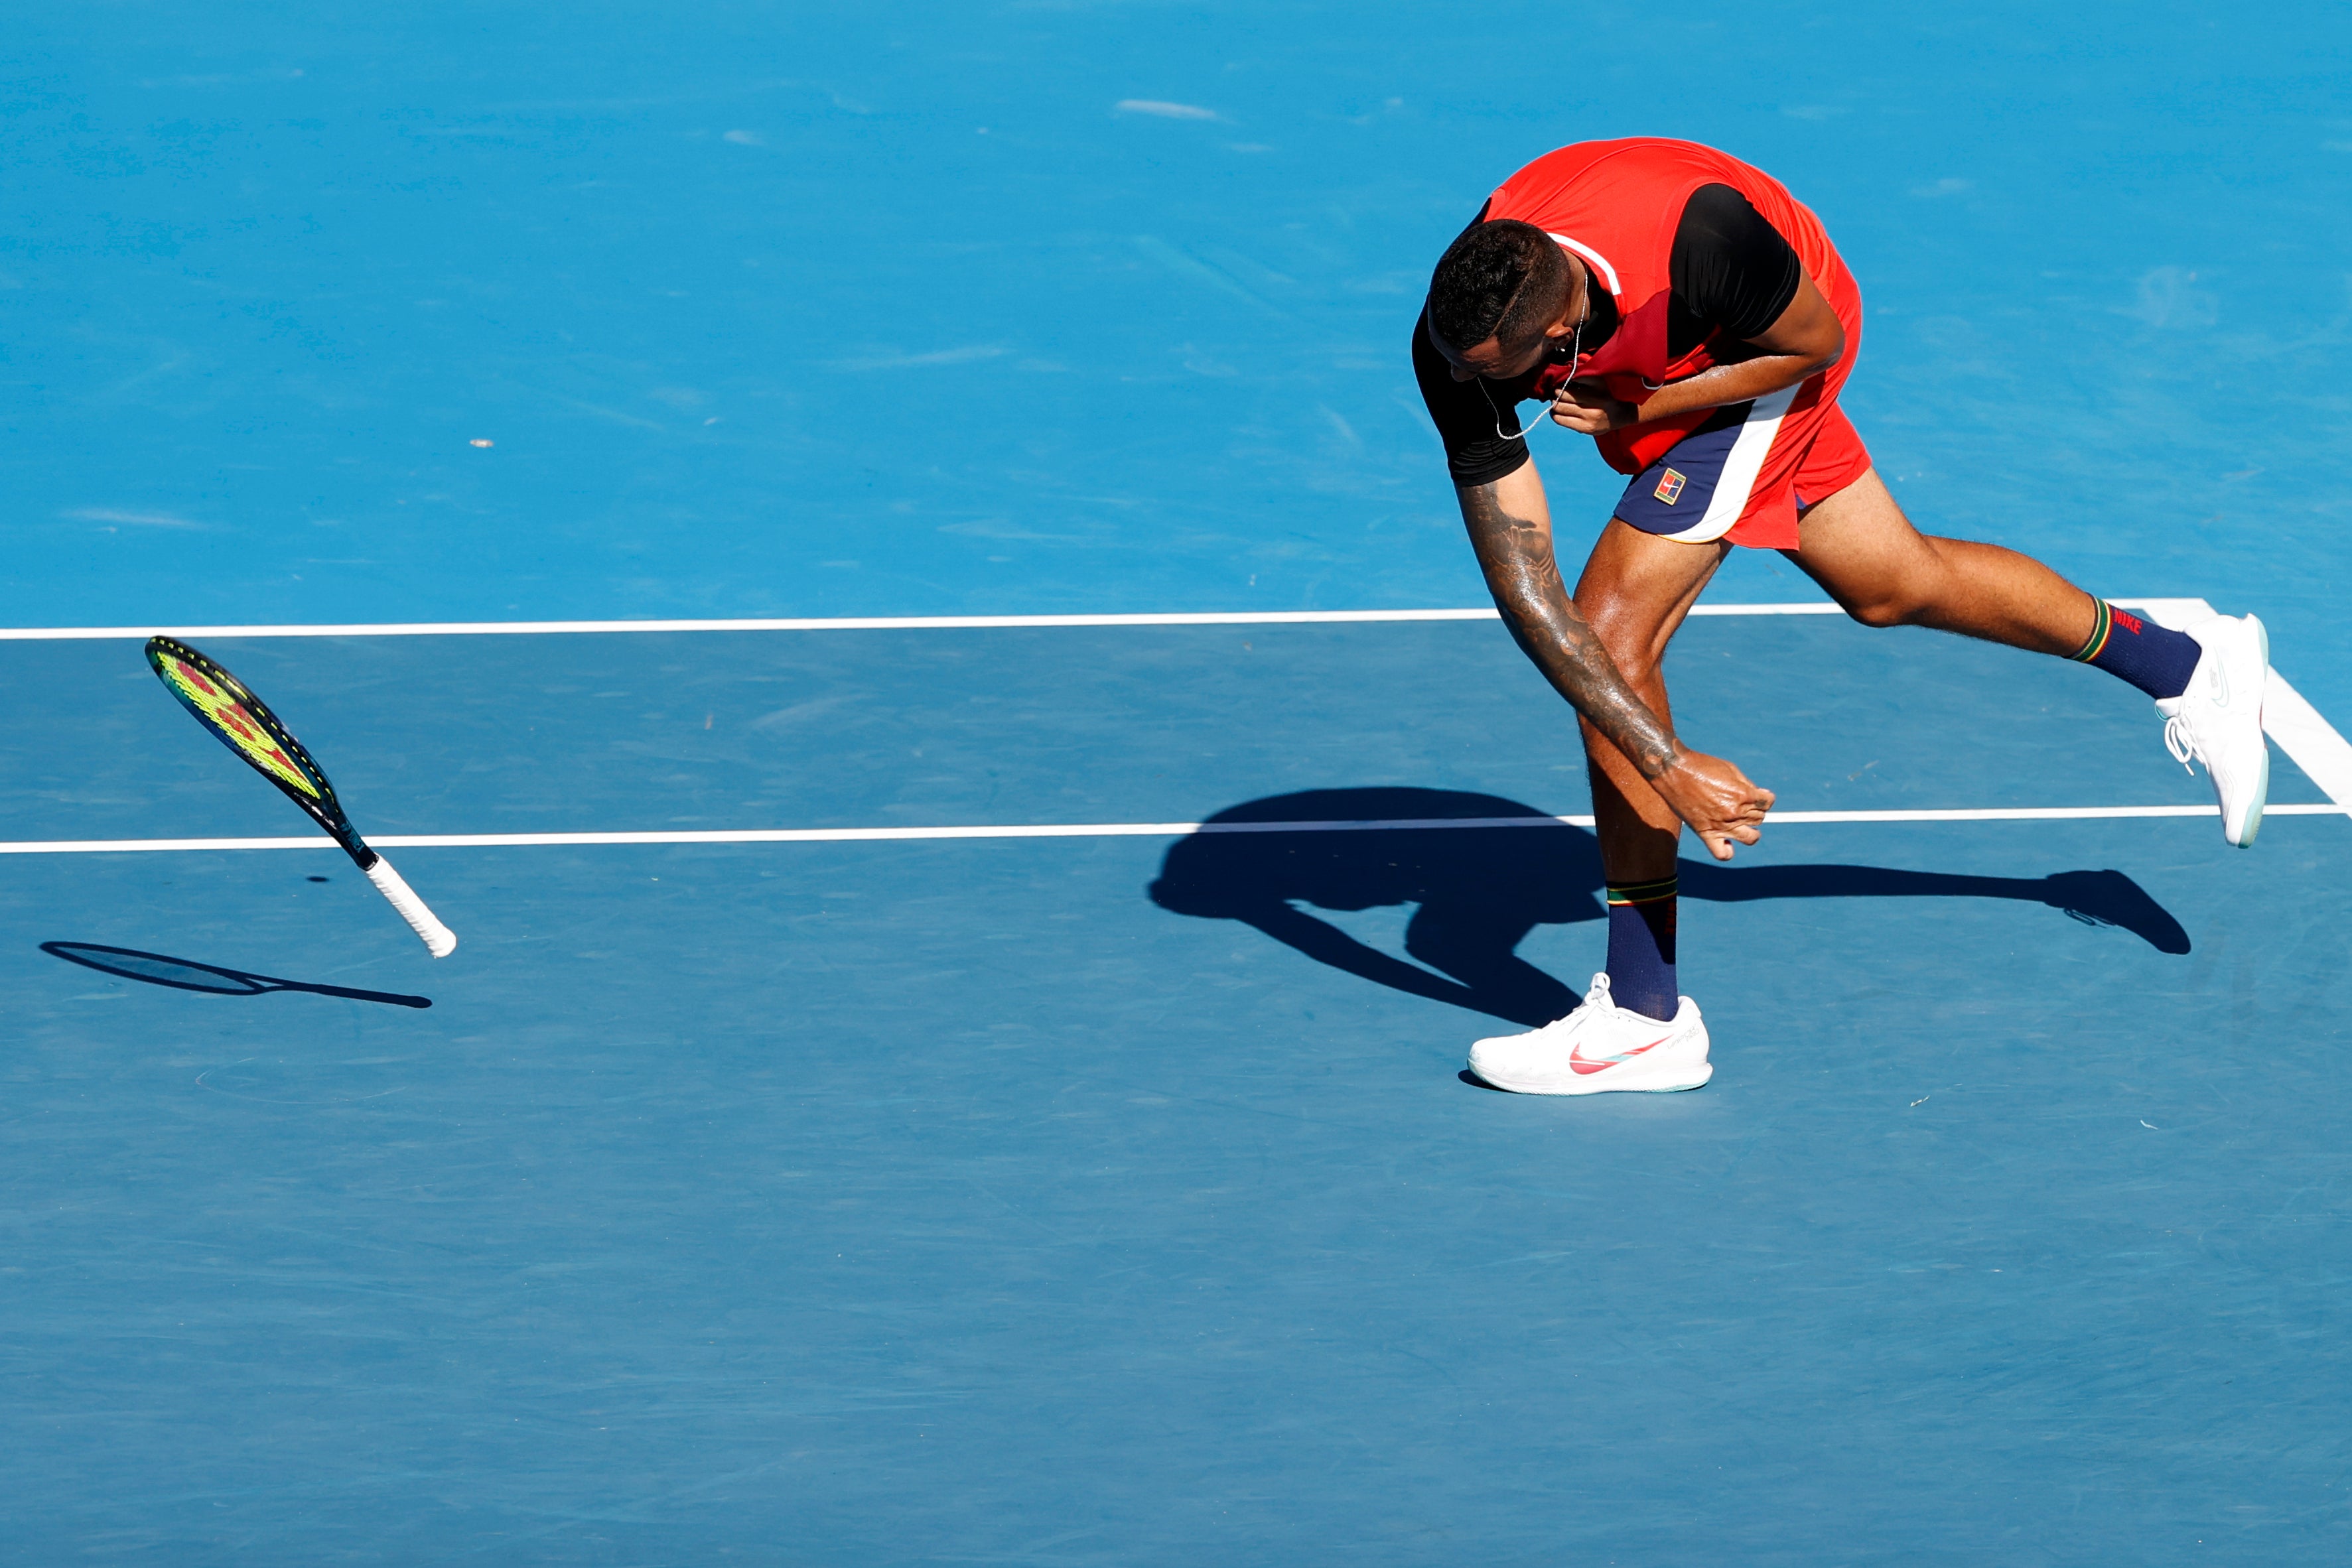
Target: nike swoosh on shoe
[[1580, 1063]]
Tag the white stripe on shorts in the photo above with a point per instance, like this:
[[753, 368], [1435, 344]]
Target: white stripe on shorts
[[1740, 467]]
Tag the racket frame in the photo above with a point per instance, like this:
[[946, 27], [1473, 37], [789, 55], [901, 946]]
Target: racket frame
[[322, 807]]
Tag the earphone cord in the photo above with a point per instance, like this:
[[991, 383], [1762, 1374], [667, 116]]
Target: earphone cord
[[1575, 352]]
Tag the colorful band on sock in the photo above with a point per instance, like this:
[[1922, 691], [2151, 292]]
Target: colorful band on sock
[[2099, 635], [1643, 892], [2157, 659]]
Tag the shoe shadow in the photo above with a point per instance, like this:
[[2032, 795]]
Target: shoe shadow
[[1477, 892], [187, 975]]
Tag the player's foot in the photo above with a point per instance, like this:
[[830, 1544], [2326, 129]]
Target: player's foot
[[1599, 1047], [2219, 720]]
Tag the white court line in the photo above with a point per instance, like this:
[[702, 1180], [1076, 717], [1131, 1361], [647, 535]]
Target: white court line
[[1095, 830], [2297, 729], [836, 624]]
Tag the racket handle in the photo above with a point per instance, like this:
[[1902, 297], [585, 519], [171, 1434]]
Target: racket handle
[[439, 940]]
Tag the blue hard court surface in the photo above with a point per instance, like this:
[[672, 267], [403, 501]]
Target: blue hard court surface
[[1115, 1199]]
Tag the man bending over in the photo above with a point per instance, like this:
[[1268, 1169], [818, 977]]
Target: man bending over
[[1684, 310]]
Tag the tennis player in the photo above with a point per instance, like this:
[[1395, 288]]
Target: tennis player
[[1688, 314]]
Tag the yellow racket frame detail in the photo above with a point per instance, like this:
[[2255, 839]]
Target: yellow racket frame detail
[[223, 705]]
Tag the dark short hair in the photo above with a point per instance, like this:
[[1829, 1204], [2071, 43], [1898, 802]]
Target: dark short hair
[[1501, 279]]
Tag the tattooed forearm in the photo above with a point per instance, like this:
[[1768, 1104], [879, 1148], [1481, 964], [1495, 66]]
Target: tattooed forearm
[[1516, 554]]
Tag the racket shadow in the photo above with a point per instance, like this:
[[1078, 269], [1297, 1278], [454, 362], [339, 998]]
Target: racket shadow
[[187, 975], [1478, 893]]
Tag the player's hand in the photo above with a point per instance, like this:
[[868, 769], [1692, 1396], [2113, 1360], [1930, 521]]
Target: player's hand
[[1587, 406], [1719, 803]]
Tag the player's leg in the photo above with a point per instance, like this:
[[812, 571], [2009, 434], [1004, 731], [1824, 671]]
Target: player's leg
[[1857, 544], [1863, 551], [1634, 1030], [1635, 590]]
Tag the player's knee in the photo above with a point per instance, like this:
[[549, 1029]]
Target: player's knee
[[1636, 643], [1637, 659], [1892, 610]]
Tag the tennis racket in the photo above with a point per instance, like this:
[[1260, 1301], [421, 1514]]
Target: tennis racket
[[243, 722]]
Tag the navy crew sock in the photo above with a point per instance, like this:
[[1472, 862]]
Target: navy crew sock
[[2157, 659], [1642, 947]]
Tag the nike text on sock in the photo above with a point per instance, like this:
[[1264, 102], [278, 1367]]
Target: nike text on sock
[[2157, 659], [1642, 947]]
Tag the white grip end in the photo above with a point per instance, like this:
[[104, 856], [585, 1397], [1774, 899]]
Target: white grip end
[[439, 940]]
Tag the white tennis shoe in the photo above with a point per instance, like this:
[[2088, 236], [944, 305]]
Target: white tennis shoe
[[1598, 1048], [2219, 720]]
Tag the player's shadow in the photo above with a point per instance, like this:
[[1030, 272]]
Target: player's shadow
[[187, 975], [1480, 891]]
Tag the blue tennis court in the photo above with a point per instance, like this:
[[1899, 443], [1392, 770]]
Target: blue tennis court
[[886, 574]]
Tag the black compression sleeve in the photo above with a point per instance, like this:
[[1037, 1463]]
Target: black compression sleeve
[[1466, 417], [1730, 270]]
